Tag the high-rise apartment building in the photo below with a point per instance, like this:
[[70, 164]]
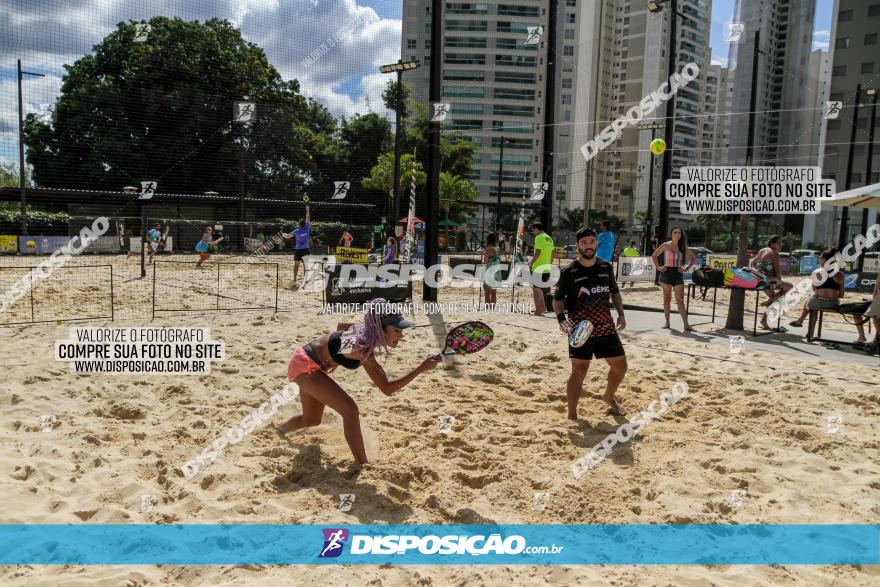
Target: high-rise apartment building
[[493, 78], [855, 60], [783, 126], [609, 55]]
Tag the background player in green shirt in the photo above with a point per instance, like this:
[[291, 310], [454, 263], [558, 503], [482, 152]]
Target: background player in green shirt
[[541, 262], [631, 251]]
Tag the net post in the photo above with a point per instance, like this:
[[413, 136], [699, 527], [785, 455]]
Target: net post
[[277, 277], [154, 292], [33, 317], [144, 241], [112, 318], [218, 285]]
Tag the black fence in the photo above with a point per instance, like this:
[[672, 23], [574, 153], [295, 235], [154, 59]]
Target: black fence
[[186, 286], [68, 293]]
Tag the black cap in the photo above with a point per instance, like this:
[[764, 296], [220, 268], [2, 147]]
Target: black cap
[[395, 320]]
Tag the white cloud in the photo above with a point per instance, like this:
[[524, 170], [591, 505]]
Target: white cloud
[[821, 40], [46, 34]]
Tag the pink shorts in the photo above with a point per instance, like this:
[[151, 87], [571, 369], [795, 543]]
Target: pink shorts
[[301, 363]]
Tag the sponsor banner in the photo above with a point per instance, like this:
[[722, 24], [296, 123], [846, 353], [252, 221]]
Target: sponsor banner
[[41, 245], [476, 544], [721, 262], [866, 282], [807, 264], [362, 290], [251, 245], [352, 255], [8, 243], [134, 244], [103, 244], [635, 269]]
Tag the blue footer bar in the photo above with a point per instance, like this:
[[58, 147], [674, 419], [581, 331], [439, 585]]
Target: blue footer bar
[[619, 544]]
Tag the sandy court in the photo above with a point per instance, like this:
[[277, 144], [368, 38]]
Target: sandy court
[[750, 422], [81, 290]]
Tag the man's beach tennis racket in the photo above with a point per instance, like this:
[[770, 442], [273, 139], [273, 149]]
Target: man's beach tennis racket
[[466, 339], [580, 334]]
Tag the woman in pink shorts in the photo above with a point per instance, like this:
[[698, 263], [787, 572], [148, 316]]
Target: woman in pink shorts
[[350, 346]]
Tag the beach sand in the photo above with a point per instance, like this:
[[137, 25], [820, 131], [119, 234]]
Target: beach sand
[[753, 421]]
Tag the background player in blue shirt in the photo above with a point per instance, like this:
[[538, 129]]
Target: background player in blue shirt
[[302, 241], [153, 237], [606, 243]]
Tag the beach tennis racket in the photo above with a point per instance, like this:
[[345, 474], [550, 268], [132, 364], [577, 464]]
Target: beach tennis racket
[[580, 334], [466, 339]]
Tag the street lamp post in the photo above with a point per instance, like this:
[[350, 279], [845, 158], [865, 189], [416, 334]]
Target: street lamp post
[[871, 92], [649, 221], [21, 169], [656, 7], [844, 214], [399, 68]]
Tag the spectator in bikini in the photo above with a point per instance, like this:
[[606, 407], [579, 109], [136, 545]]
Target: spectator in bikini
[[767, 263]]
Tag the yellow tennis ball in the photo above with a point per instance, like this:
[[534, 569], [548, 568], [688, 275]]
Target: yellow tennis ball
[[658, 146]]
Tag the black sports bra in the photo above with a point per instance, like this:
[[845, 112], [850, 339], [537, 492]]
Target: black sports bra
[[333, 346]]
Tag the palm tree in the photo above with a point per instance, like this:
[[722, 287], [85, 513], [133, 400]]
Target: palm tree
[[709, 221], [453, 187]]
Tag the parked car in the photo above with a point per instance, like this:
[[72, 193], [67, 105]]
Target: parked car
[[701, 252], [800, 253]]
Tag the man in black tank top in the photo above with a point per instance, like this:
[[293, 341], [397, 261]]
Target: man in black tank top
[[583, 291]]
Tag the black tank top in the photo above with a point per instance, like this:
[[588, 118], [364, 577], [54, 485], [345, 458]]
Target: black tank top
[[829, 284], [333, 346]]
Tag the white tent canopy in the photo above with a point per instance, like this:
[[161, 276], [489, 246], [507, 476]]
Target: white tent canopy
[[863, 197]]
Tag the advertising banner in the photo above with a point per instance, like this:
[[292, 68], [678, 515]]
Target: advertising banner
[[104, 244], [41, 245], [351, 255], [8, 243], [721, 262], [251, 245], [635, 269], [134, 245], [807, 264], [362, 290], [784, 264]]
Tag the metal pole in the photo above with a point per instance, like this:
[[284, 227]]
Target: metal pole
[[670, 122], [143, 240], [397, 149], [649, 229], [429, 293], [868, 167], [154, 291], [549, 118], [844, 215], [111, 293], [21, 169], [736, 308], [500, 175]]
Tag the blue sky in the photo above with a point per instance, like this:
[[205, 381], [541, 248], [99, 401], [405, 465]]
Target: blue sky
[[46, 34], [722, 14]]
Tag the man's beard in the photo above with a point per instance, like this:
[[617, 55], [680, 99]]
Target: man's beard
[[585, 255]]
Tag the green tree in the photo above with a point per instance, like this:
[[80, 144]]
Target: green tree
[[9, 175], [453, 187], [163, 110], [571, 220], [456, 151], [381, 176], [709, 221], [361, 141], [396, 98]]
